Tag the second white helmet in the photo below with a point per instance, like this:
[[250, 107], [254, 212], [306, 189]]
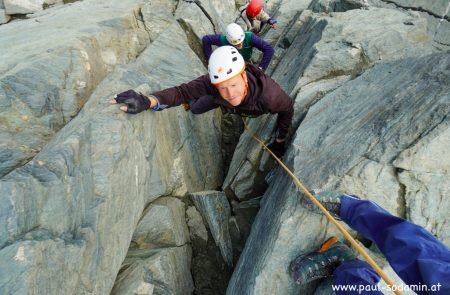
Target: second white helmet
[[225, 63], [235, 34]]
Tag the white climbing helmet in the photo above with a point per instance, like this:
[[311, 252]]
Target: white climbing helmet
[[235, 34], [225, 63]]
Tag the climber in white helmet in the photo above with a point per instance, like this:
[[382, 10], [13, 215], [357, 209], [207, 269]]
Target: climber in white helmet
[[235, 35], [243, 41], [232, 84]]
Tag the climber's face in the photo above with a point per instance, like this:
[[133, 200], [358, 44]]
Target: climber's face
[[238, 46], [234, 90]]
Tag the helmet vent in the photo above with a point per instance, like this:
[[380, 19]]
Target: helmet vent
[[225, 63]]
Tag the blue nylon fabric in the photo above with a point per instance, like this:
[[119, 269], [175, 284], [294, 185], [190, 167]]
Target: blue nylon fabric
[[414, 253]]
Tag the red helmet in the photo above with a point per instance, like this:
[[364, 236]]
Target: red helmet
[[254, 8]]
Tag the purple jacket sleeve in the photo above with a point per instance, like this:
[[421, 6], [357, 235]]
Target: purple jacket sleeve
[[265, 48], [208, 41]]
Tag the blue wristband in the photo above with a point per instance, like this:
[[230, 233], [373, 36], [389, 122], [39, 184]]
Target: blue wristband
[[156, 107]]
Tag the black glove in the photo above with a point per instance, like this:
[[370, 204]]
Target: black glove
[[136, 102], [277, 148], [271, 21]]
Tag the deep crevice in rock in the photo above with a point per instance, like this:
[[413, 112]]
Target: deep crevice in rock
[[139, 16], [209, 270], [232, 128], [198, 3], [193, 41], [401, 197], [313, 29]]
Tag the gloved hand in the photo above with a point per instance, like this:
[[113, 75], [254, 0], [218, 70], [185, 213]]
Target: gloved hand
[[277, 148], [136, 102], [272, 23]]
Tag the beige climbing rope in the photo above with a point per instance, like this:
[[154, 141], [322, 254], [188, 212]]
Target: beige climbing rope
[[327, 214]]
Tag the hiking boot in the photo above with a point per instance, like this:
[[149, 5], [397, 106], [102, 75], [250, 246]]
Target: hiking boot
[[322, 263], [330, 200]]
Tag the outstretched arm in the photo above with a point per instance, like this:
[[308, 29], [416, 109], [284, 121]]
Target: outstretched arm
[[185, 92], [265, 48], [170, 97]]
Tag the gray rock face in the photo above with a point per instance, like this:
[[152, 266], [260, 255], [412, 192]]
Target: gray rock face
[[159, 259], [424, 174], [44, 88], [90, 184], [411, 101], [163, 225], [36, 257], [336, 46], [165, 272], [23, 6], [28, 6], [437, 14], [4, 18], [438, 8], [337, 6]]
